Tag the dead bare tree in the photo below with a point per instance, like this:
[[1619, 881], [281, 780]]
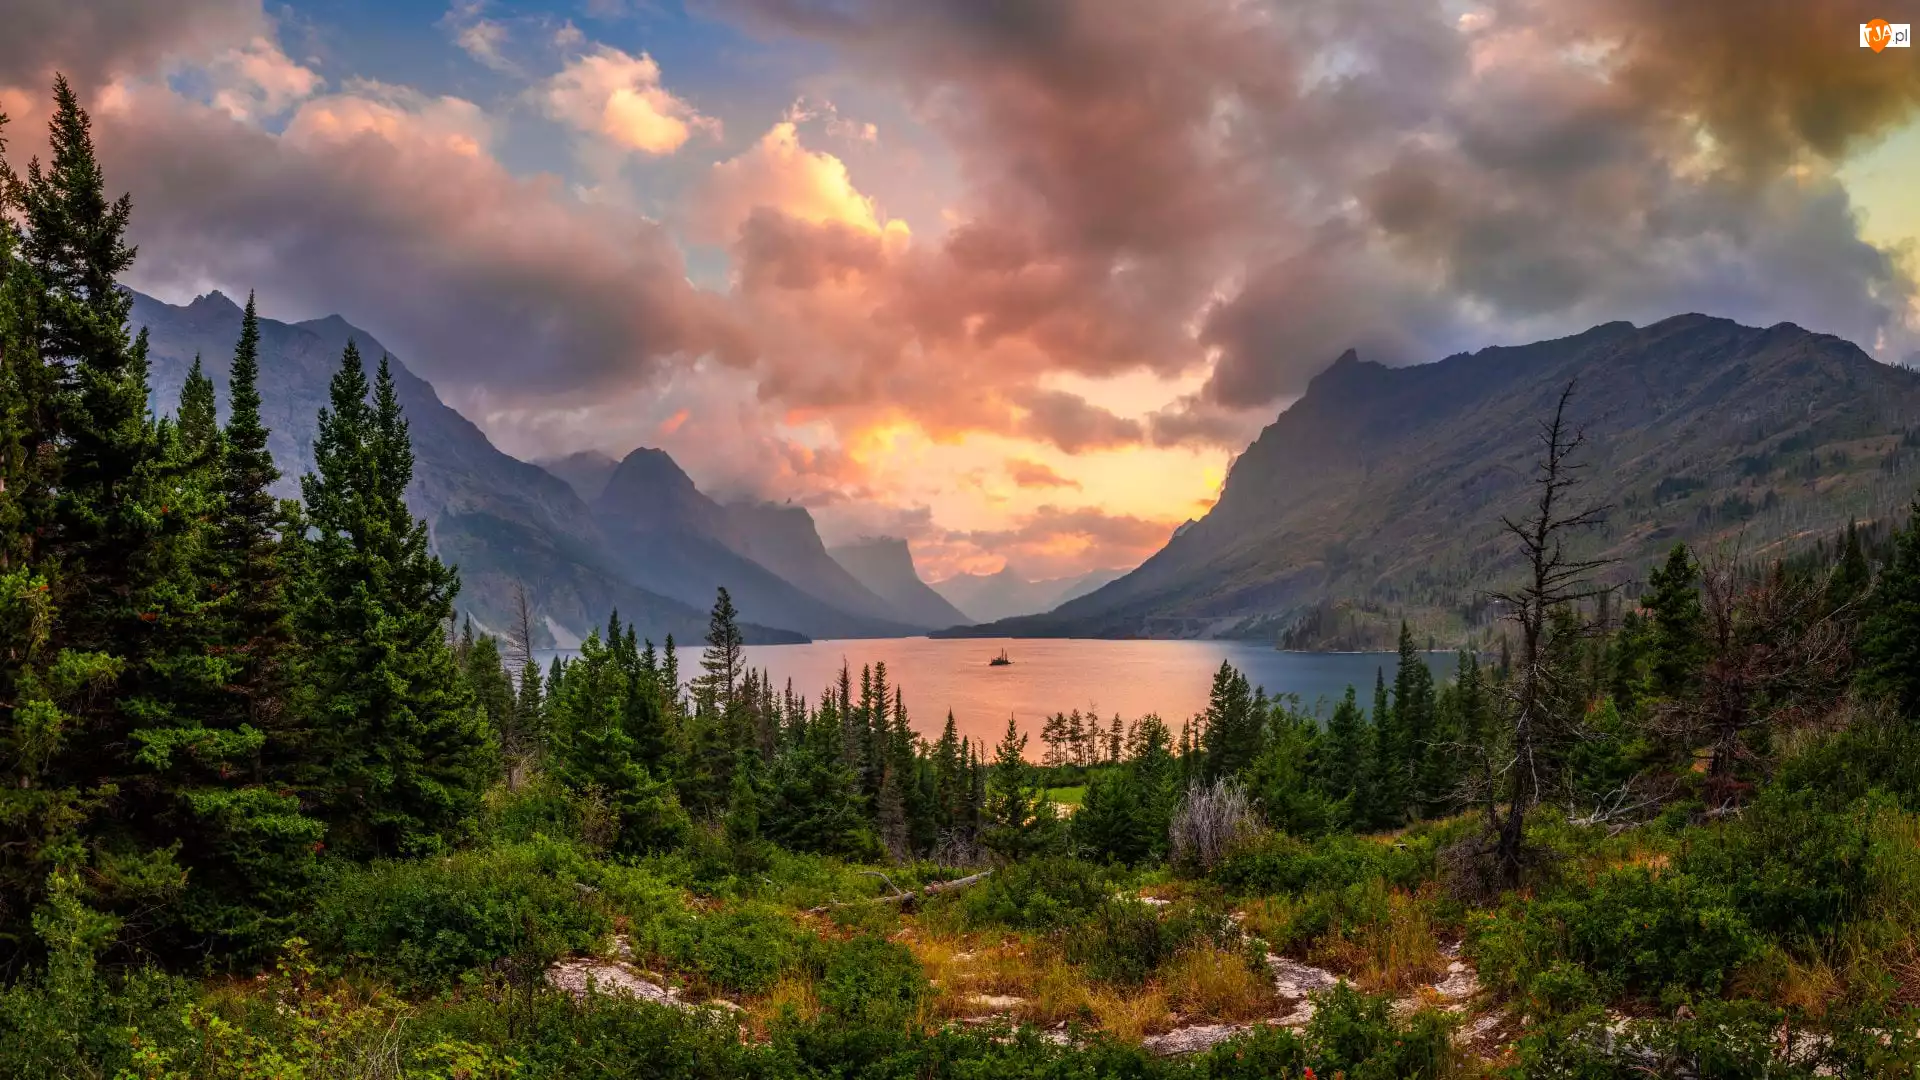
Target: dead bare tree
[[1555, 578]]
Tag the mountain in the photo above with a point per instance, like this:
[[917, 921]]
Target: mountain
[[884, 564], [502, 521], [586, 472], [1378, 494], [1005, 595], [672, 538]]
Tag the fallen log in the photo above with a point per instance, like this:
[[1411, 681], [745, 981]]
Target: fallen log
[[903, 898]]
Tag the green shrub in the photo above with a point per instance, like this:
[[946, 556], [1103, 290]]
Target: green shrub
[[1633, 932], [1355, 1035], [1126, 940], [870, 980], [1793, 865], [742, 949], [1285, 864], [1039, 894], [422, 923]]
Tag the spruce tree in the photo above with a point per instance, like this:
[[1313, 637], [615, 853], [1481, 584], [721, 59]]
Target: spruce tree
[[400, 754], [1387, 781], [199, 429], [1017, 815], [1345, 762], [1889, 642], [1232, 735], [1413, 705], [1672, 602]]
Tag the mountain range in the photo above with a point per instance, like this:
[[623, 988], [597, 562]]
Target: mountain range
[[1378, 495], [987, 598], [583, 536]]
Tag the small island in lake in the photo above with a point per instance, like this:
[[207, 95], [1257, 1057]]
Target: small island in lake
[[1000, 661]]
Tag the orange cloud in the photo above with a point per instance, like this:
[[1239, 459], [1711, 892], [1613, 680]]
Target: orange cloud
[[778, 173], [617, 97], [1034, 474]]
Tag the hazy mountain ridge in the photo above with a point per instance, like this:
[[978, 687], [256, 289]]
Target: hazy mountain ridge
[[501, 520], [1379, 493], [673, 538], [987, 598], [884, 564]]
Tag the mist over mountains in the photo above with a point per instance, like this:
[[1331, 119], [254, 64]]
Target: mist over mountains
[[647, 543], [1378, 495]]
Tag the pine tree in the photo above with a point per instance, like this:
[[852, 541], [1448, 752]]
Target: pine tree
[[1387, 782], [1413, 706], [199, 430], [256, 629], [1672, 601], [1889, 641], [1851, 575], [1017, 814], [1231, 737], [593, 752], [1345, 762], [400, 752]]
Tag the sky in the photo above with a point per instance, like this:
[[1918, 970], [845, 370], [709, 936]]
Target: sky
[[1013, 279]]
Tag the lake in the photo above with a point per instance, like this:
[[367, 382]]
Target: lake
[[1132, 678]]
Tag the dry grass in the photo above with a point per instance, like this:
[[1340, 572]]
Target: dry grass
[[1216, 984], [1396, 954], [1269, 917], [1058, 992], [793, 995], [1129, 1015], [963, 968]]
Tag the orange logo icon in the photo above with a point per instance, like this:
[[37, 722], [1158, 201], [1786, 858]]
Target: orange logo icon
[[1876, 34]]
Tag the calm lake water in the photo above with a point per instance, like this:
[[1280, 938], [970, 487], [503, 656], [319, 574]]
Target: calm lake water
[[1132, 678]]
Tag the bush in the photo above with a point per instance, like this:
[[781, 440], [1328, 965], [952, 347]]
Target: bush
[[870, 980], [1284, 864], [743, 949], [1039, 894], [1659, 937], [1792, 865], [1355, 1034], [1126, 940], [422, 923], [1212, 823]]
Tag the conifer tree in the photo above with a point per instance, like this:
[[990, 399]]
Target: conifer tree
[[1387, 780], [400, 753], [1017, 815], [1413, 711], [1672, 602], [1851, 575], [1889, 642], [1345, 762], [1231, 737], [199, 430]]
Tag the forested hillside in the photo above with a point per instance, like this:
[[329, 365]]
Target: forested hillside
[[271, 810]]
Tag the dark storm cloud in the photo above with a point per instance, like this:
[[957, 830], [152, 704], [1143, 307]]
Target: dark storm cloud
[[1404, 179]]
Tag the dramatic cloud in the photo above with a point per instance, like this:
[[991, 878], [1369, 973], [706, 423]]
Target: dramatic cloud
[[618, 98], [1138, 227], [1296, 179], [388, 205]]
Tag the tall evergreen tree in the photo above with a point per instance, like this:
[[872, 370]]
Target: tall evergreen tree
[[1345, 760], [400, 752], [1414, 719], [1017, 816], [1231, 737], [1672, 602]]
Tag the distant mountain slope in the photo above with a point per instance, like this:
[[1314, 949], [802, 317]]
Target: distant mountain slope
[[501, 520], [586, 472], [672, 538], [884, 564], [1379, 493], [1005, 595], [784, 540]]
